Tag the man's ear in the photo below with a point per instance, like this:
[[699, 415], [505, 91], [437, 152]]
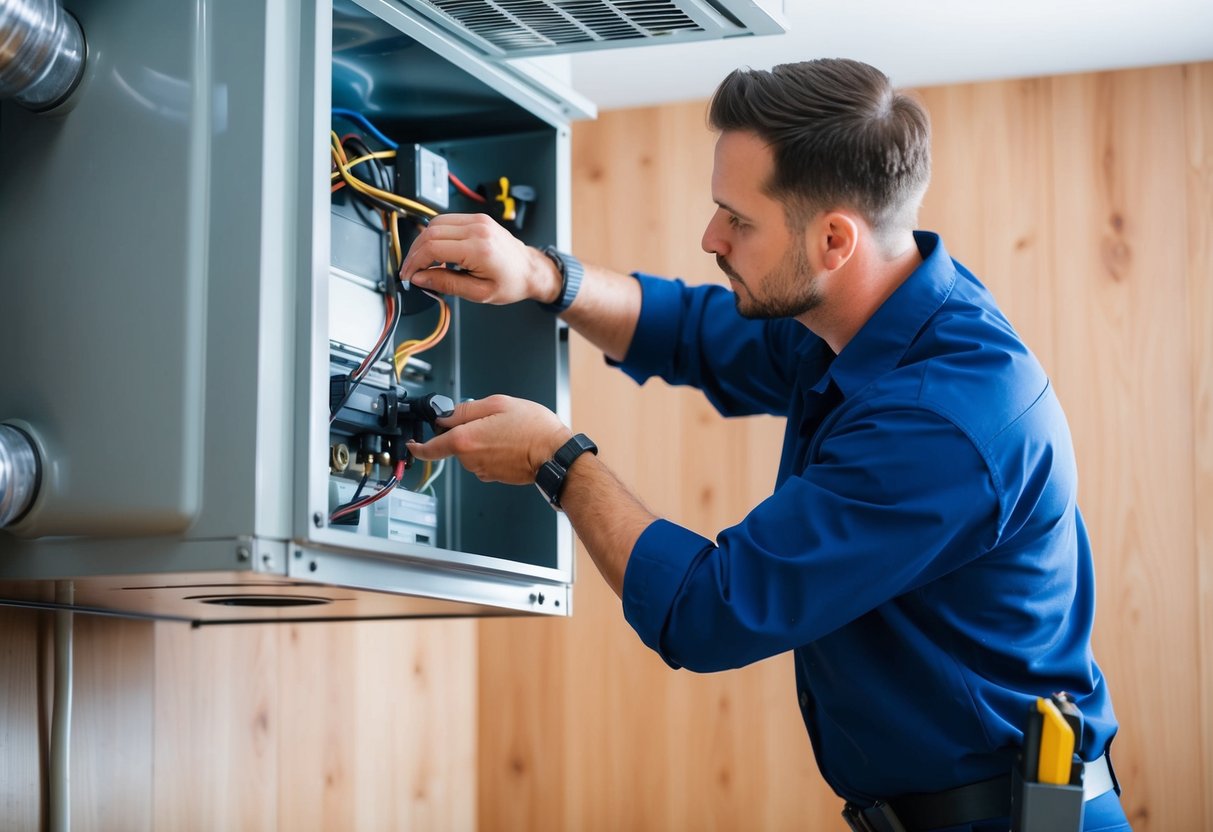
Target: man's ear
[[837, 235]]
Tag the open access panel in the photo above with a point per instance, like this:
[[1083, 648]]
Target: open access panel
[[239, 372]]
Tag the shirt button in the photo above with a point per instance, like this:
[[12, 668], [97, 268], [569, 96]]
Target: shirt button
[[804, 700]]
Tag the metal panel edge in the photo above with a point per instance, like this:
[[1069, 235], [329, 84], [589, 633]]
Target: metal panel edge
[[67, 558], [402, 578], [565, 553], [285, 242], [311, 484], [521, 87]]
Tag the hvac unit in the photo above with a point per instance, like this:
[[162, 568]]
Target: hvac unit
[[206, 367]]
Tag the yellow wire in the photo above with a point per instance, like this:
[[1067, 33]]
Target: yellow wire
[[425, 474], [370, 190], [410, 348], [417, 345], [353, 163], [336, 146], [394, 228]]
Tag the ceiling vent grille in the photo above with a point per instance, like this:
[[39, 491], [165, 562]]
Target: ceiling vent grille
[[519, 28]]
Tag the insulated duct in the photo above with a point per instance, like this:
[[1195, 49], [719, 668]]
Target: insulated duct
[[19, 474], [41, 53]]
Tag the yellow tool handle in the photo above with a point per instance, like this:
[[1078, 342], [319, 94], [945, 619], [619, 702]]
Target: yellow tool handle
[[1056, 745], [509, 210]]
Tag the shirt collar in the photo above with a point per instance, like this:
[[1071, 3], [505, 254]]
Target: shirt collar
[[882, 341]]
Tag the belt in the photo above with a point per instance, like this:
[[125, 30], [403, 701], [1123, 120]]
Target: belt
[[966, 804]]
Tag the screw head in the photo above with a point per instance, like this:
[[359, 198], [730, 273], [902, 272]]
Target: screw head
[[318, 519], [242, 553]]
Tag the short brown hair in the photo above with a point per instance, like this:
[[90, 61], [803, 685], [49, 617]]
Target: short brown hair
[[841, 136]]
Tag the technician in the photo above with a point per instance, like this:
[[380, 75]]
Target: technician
[[922, 553]]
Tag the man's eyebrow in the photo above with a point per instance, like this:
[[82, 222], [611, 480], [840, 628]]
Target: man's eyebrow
[[732, 210]]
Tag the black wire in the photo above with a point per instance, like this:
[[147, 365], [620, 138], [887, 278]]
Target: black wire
[[355, 382], [362, 149], [354, 499], [380, 177], [357, 494], [367, 501]]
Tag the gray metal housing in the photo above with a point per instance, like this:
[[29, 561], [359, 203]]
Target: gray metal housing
[[165, 258]]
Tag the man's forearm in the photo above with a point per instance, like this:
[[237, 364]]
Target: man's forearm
[[606, 516], [606, 309]]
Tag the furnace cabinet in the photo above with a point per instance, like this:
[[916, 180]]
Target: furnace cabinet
[[181, 287], [204, 341]]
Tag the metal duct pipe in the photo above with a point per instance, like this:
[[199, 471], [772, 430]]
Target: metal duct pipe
[[20, 470], [41, 53]]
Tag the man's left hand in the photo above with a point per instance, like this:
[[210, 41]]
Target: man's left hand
[[499, 439]]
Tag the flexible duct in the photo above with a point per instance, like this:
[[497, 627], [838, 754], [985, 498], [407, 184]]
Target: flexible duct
[[41, 53], [19, 473]]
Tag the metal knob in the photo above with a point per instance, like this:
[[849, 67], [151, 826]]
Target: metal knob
[[20, 470]]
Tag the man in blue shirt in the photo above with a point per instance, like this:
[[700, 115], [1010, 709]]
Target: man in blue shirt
[[922, 553]]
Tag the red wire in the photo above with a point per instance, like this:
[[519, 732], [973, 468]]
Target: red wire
[[464, 189], [374, 498], [387, 327]]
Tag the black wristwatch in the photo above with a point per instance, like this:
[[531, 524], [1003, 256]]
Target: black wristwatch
[[571, 273], [551, 475]]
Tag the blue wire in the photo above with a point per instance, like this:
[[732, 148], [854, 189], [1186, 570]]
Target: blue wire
[[359, 118]]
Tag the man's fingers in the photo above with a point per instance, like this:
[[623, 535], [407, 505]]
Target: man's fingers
[[454, 220], [470, 411], [447, 282], [440, 447], [428, 250]]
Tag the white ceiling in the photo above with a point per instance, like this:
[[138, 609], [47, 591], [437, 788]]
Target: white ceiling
[[916, 44]]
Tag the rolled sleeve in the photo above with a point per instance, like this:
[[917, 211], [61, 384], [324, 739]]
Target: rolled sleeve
[[655, 339], [832, 544], [659, 564]]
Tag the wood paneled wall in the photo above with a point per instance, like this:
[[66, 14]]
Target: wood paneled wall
[[1085, 203], [367, 726]]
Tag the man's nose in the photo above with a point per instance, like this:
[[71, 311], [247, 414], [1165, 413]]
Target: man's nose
[[713, 242]]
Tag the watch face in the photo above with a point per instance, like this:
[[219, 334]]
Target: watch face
[[548, 479]]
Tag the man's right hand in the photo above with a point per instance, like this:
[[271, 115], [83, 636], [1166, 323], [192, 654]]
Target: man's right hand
[[494, 266]]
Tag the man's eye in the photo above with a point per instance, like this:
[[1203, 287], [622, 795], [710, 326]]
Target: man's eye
[[735, 221]]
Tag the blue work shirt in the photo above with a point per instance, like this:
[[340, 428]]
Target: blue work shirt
[[922, 554]]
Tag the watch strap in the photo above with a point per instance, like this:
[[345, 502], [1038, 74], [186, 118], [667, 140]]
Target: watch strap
[[551, 475], [571, 274], [575, 447]]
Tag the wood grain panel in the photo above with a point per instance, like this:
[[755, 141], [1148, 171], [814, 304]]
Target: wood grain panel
[[1198, 109], [376, 726], [1124, 375], [414, 736], [318, 712], [114, 682], [24, 719], [217, 728], [991, 196]]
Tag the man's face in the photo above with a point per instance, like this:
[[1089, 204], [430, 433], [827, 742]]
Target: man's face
[[766, 262]]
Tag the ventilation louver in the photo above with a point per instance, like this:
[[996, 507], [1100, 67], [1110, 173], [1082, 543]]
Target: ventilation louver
[[518, 28]]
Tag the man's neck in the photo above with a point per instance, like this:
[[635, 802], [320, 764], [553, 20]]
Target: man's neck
[[856, 291]]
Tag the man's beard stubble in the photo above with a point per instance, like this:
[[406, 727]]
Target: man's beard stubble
[[791, 289]]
